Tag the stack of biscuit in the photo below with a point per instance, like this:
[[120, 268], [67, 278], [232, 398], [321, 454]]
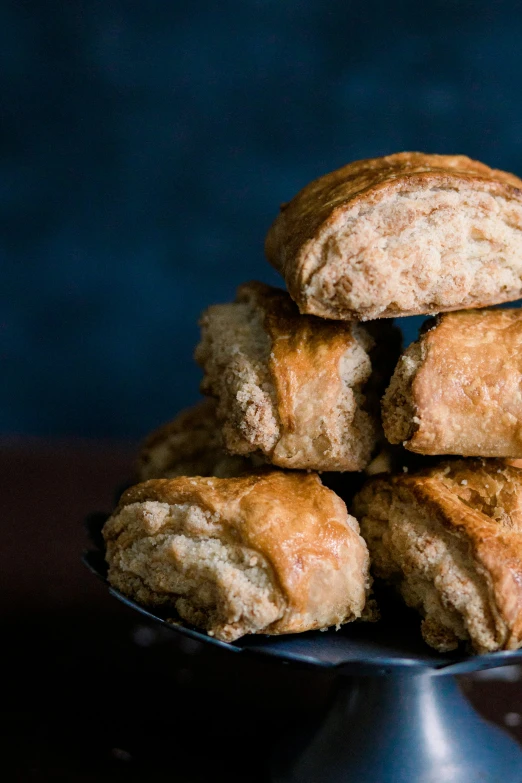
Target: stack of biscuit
[[234, 528]]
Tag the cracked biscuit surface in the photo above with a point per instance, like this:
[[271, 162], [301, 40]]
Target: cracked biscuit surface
[[405, 234], [458, 389], [268, 552], [296, 389], [449, 539]]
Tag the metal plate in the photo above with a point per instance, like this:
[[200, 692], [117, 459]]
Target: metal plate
[[388, 646]]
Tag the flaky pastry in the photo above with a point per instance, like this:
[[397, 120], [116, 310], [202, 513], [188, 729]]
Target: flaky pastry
[[298, 390], [449, 539], [458, 389], [400, 235], [271, 552]]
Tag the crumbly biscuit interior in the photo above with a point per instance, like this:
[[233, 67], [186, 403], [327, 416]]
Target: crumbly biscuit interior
[[433, 572], [234, 350], [398, 410], [181, 555], [417, 251]]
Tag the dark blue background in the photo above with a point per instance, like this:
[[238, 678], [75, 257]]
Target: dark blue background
[[145, 147]]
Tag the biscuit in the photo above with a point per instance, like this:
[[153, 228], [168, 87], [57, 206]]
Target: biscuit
[[406, 234], [457, 390], [271, 552], [296, 389], [449, 539], [190, 445]]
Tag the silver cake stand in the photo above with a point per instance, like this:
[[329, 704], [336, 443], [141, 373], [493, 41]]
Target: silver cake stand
[[398, 715]]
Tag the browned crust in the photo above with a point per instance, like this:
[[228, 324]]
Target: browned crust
[[465, 395], [515, 463], [366, 182], [497, 553], [325, 420], [291, 518], [305, 351], [480, 503]]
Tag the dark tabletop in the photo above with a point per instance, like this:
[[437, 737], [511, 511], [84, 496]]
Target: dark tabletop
[[92, 692]]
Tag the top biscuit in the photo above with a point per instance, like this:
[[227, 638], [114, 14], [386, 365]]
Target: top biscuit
[[406, 234]]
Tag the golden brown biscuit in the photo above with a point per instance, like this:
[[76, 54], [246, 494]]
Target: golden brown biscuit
[[458, 389], [401, 235], [190, 445], [450, 540], [295, 389], [272, 552]]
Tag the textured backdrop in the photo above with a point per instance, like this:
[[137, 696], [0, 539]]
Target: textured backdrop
[[145, 147]]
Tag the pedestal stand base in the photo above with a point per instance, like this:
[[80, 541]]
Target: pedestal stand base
[[403, 728], [407, 723]]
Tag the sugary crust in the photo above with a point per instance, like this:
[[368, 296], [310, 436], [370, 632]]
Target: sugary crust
[[458, 389], [293, 388], [337, 237], [313, 553], [189, 445], [473, 510]]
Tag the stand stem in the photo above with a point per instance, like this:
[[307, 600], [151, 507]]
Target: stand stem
[[407, 728]]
